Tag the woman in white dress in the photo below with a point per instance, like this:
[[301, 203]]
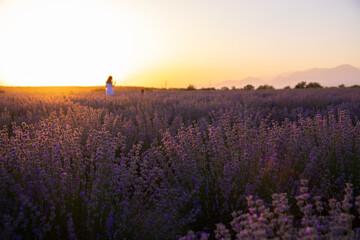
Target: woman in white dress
[[109, 86]]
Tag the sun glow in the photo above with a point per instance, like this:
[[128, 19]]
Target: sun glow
[[171, 43], [66, 43]]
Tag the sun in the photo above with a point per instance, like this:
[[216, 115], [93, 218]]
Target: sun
[[66, 43]]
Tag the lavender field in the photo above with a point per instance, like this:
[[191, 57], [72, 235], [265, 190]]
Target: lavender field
[[180, 165]]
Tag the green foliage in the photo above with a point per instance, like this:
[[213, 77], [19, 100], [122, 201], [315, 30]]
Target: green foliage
[[313, 85], [300, 85], [265, 87], [208, 89], [303, 85], [249, 87], [190, 87]]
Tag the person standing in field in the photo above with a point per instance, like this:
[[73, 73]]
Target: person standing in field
[[109, 86]]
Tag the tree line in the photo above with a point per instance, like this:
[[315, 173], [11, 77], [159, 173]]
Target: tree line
[[300, 85]]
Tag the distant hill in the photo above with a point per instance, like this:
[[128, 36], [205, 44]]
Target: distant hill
[[327, 77]]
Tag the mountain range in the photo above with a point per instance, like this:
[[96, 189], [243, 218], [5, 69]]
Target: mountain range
[[327, 77]]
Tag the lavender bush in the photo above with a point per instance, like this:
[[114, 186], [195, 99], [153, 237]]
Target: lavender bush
[[168, 165]]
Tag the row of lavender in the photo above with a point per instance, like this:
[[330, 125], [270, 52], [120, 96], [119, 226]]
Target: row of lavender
[[154, 166]]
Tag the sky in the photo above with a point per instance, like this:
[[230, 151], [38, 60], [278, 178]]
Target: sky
[[172, 43]]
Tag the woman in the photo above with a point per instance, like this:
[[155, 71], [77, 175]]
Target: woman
[[109, 87]]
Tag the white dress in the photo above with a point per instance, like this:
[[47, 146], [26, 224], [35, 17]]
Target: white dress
[[109, 89]]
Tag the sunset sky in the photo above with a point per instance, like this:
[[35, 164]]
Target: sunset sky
[[150, 42]]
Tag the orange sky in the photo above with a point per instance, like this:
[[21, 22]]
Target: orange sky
[[141, 42]]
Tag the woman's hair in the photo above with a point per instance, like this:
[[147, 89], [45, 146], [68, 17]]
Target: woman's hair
[[109, 80]]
